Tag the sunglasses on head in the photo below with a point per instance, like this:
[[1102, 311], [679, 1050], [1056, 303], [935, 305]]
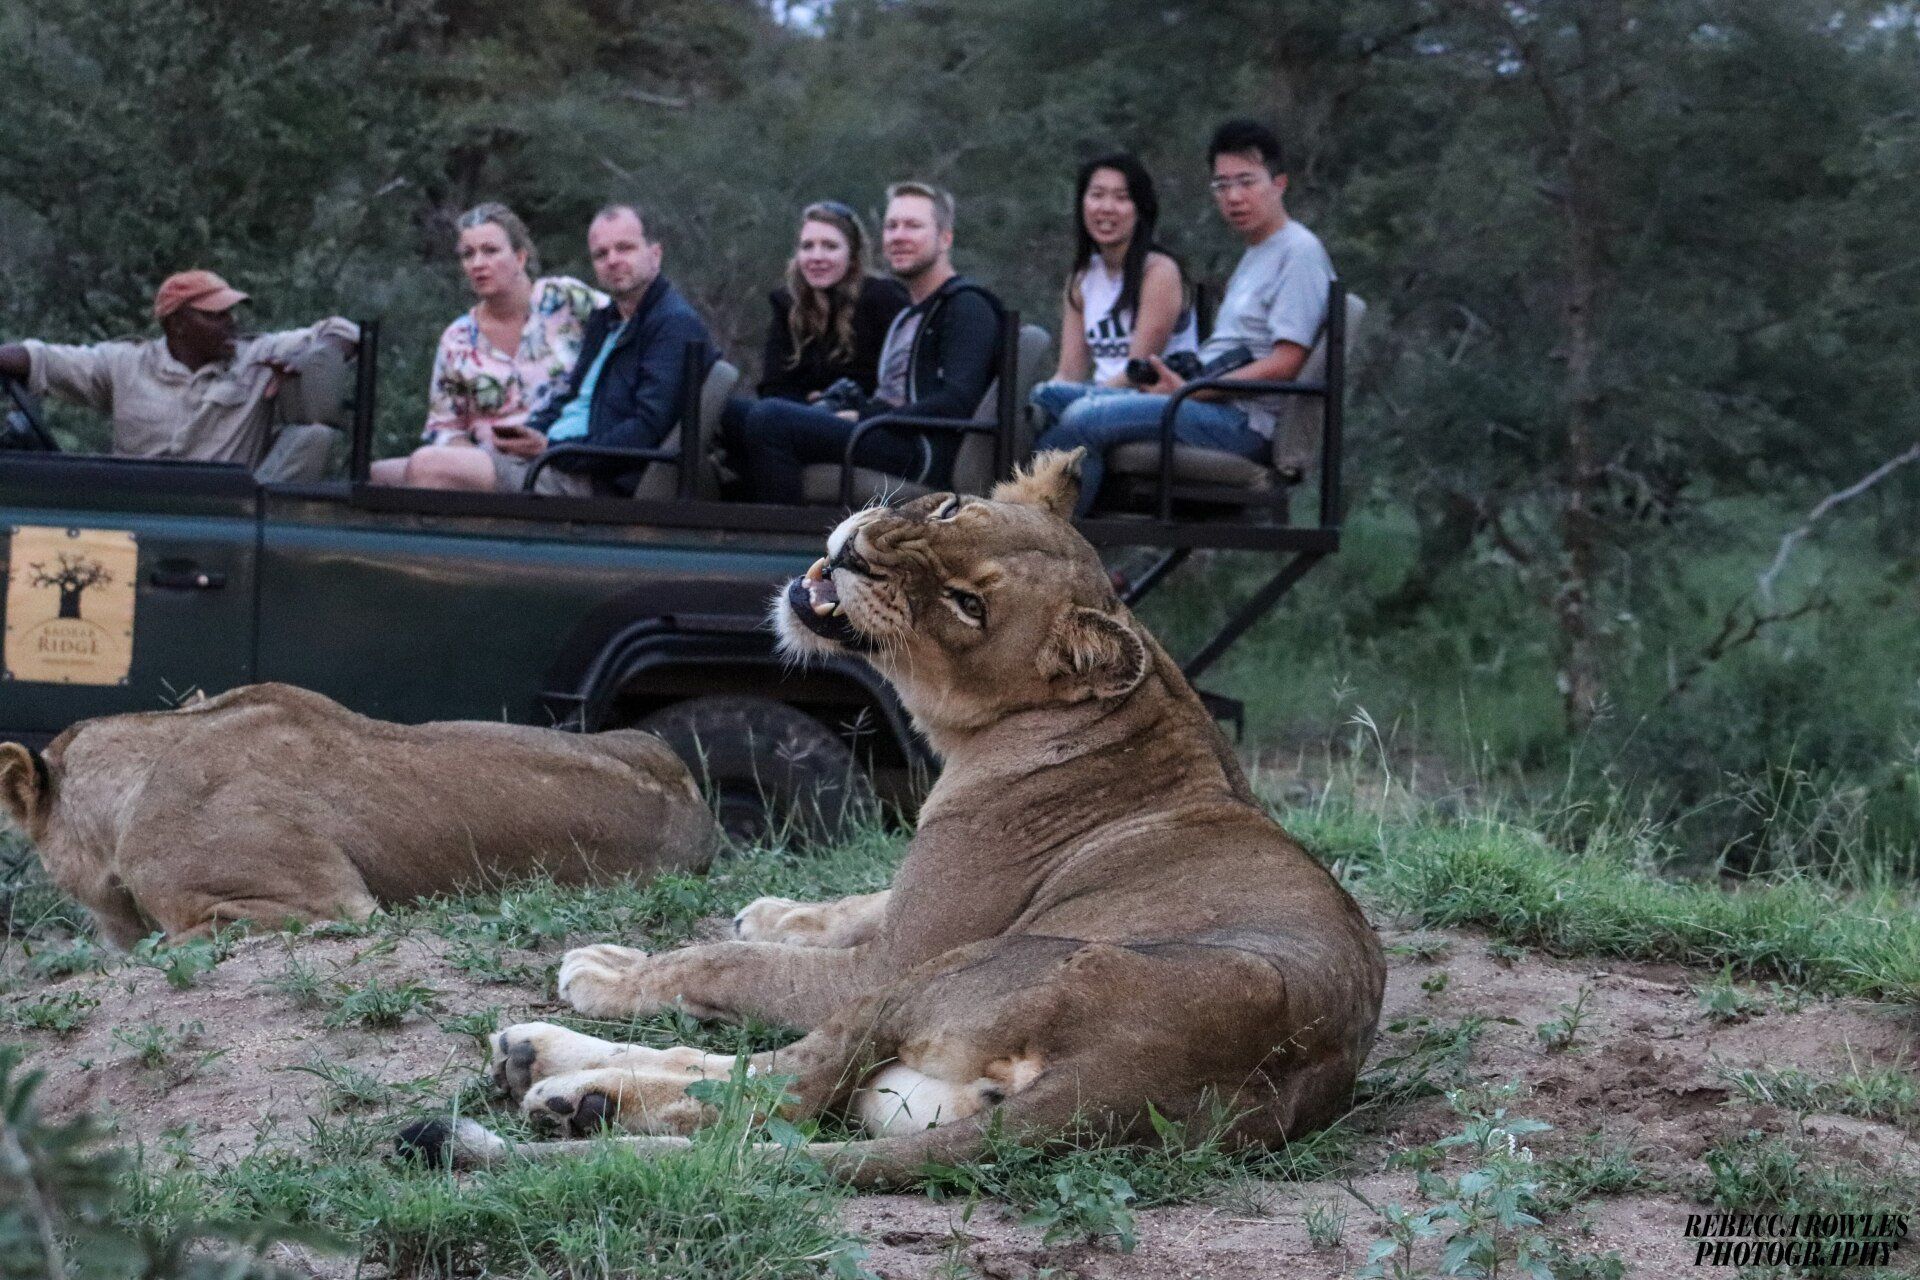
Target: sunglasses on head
[[837, 209]]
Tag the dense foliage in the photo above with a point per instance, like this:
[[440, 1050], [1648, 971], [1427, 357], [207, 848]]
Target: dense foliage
[[1641, 274]]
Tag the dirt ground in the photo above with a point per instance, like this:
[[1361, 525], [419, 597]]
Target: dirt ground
[[240, 1057]]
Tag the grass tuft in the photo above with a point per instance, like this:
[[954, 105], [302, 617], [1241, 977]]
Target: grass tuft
[[1511, 882]]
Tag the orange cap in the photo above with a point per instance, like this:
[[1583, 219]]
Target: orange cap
[[201, 290]]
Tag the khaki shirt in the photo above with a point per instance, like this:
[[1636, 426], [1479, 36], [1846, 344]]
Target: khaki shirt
[[219, 412]]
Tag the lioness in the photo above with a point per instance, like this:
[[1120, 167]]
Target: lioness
[[1095, 916], [271, 803]]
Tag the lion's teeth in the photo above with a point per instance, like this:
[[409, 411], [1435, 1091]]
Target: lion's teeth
[[823, 609], [837, 611], [818, 570]]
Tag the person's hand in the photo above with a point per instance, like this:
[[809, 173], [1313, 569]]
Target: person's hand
[[281, 371], [1167, 382], [519, 442]]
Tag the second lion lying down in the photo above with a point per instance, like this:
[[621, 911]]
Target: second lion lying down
[[1095, 917]]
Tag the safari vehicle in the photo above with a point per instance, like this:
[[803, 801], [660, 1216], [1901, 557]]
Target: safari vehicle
[[132, 582]]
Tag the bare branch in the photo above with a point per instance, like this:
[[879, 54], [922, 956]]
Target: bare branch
[[655, 99], [1733, 635], [1744, 620], [1764, 587]]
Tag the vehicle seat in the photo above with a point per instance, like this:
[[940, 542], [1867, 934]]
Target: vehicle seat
[[320, 389], [660, 482], [312, 415], [1214, 477], [973, 463]]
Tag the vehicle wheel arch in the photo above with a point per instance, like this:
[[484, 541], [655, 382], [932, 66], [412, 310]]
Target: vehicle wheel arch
[[656, 664]]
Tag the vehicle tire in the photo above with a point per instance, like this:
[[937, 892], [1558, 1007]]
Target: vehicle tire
[[768, 769]]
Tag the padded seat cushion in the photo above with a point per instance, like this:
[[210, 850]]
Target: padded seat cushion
[[820, 483], [1191, 464], [320, 389]]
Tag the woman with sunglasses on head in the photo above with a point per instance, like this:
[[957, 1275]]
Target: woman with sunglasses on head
[[830, 319], [1125, 296], [511, 352]]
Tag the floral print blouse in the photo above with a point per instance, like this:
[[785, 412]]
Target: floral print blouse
[[476, 382]]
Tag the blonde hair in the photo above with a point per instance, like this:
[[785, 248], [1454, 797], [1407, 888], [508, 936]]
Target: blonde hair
[[508, 221], [940, 198], [813, 311]]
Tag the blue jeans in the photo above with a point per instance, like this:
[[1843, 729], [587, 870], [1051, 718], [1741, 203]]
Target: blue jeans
[[1053, 396], [775, 439], [1101, 422]]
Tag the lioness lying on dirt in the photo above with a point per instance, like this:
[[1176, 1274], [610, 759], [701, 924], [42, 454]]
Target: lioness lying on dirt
[[271, 803], [1095, 916]]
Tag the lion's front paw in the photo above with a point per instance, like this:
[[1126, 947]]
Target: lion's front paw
[[531, 1051], [602, 981], [761, 919]]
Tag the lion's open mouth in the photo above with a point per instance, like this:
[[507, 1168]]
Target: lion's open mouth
[[816, 603]]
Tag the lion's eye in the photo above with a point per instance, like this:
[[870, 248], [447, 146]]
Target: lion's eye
[[948, 508], [971, 606]]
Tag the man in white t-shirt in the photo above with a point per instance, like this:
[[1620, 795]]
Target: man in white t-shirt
[[1275, 305]]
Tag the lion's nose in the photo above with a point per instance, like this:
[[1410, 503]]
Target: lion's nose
[[849, 557]]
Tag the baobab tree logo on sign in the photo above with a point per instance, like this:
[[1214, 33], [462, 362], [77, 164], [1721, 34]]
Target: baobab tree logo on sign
[[69, 609], [73, 575]]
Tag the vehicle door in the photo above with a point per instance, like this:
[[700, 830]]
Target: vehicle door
[[129, 584]]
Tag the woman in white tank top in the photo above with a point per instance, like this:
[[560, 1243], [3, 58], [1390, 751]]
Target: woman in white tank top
[[1125, 299]]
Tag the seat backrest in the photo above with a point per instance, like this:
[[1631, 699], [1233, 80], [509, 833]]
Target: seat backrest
[[973, 462], [1301, 423], [1206, 304], [660, 482], [1036, 345], [320, 390]]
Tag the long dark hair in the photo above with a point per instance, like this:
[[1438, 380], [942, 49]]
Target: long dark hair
[[1146, 207], [812, 312]]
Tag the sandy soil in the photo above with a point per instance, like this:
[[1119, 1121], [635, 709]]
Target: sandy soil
[[1646, 1069]]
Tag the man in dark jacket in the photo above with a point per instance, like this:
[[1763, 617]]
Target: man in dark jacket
[[625, 391], [938, 362]]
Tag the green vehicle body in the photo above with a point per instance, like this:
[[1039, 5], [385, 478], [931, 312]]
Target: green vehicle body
[[505, 609]]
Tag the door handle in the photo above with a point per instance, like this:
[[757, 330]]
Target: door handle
[[184, 575]]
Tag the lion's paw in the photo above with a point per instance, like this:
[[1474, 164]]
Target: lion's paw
[[572, 1106], [601, 982], [583, 1103], [761, 919], [528, 1052]]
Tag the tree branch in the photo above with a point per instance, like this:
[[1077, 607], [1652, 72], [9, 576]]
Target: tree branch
[[1764, 586], [1732, 635]]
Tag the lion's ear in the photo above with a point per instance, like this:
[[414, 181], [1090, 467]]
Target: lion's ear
[[24, 786], [1098, 650], [1051, 481]]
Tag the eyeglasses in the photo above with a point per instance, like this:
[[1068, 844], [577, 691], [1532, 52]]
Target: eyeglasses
[[1245, 182], [837, 209]]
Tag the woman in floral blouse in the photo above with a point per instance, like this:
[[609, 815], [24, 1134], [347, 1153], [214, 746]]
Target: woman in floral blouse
[[512, 352]]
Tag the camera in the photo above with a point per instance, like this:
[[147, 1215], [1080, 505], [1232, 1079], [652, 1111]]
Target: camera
[[842, 395], [1185, 364]]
